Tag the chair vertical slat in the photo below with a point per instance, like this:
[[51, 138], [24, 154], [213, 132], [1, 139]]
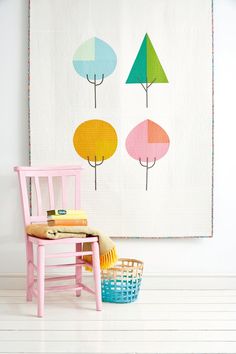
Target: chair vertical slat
[[24, 198], [64, 194], [38, 195], [51, 193], [77, 191]]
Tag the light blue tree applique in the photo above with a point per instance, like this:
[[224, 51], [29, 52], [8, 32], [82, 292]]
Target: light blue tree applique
[[95, 60]]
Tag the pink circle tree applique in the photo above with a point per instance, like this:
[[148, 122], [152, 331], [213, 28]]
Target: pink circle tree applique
[[147, 143]]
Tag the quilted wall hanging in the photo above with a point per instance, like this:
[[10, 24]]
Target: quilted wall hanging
[[125, 89]]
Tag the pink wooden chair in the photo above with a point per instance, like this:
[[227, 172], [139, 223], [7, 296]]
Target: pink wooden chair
[[48, 174]]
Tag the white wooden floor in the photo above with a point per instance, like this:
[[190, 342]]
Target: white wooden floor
[[163, 320]]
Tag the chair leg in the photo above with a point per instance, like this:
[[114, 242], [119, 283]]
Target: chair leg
[[78, 270], [41, 279], [97, 275], [30, 270]]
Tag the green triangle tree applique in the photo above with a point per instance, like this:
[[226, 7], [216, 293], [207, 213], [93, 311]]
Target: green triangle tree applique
[[146, 69]]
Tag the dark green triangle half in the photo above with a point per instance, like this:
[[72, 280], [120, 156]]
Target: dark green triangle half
[[147, 67], [138, 73]]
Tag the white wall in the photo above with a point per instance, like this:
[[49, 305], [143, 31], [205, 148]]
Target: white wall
[[216, 255]]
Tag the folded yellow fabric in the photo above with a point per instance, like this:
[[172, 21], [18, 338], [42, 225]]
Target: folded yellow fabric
[[108, 253]]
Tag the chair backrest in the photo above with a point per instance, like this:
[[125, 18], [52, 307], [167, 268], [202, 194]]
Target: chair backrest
[[45, 180]]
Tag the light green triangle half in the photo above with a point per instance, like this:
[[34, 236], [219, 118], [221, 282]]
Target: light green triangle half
[[86, 51], [155, 71]]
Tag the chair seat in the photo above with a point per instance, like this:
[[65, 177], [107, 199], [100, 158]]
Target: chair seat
[[71, 240]]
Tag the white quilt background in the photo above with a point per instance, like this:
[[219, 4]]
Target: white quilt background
[[178, 202]]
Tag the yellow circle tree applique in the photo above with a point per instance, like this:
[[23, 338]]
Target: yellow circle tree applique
[[95, 141]]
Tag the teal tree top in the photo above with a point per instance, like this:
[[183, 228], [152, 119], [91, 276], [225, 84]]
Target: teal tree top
[[146, 69]]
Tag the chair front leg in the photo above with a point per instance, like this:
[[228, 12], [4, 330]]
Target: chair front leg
[[30, 270], [78, 269], [41, 279], [97, 275]]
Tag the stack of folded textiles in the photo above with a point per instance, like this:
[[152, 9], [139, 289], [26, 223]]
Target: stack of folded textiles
[[66, 217]]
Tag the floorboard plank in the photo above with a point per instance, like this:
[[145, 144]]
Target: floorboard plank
[[119, 347], [152, 293], [118, 336], [173, 325], [146, 297], [133, 307], [161, 292], [133, 311]]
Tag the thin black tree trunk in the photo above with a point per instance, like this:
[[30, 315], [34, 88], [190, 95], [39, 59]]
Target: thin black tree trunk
[[147, 166], [95, 168]]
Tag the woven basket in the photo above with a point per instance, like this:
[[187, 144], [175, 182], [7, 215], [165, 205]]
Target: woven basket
[[121, 283]]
